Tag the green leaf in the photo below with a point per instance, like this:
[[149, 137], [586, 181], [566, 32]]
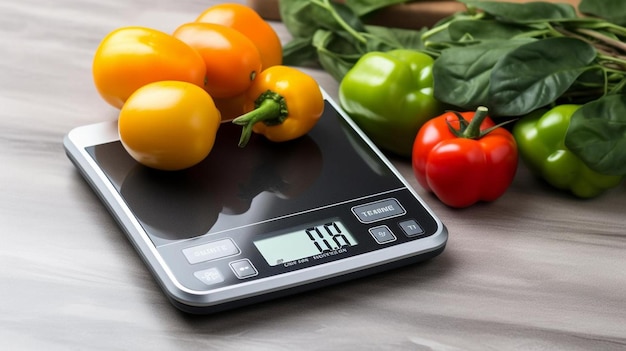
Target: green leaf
[[597, 135], [347, 15], [534, 11], [484, 30], [299, 52], [397, 38], [611, 10], [299, 17], [461, 74], [336, 55], [363, 7], [537, 73], [303, 18]]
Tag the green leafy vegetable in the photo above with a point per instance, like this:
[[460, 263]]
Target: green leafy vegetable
[[334, 36], [597, 134], [334, 53], [363, 7], [483, 30], [303, 18], [612, 10], [463, 73], [534, 11], [535, 74], [572, 59]]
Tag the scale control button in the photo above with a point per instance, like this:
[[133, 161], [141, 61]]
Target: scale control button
[[375, 211], [411, 228], [209, 276], [243, 269], [382, 234], [211, 251]]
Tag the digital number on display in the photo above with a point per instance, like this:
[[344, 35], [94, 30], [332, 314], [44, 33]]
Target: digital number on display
[[311, 241]]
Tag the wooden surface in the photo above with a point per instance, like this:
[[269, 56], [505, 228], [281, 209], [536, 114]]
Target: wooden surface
[[536, 270]]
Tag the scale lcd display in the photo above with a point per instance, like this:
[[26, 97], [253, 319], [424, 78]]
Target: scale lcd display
[[327, 237]]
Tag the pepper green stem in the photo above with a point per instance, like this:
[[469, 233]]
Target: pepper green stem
[[270, 108], [471, 129]]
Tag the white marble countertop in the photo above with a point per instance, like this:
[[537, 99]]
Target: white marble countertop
[[535, 270]]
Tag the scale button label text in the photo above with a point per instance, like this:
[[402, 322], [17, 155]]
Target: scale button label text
[[382, 234], [209, 276], [411, 228], [211, 251], [375, 211]]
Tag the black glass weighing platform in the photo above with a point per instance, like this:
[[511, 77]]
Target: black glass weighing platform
[[254, 223]]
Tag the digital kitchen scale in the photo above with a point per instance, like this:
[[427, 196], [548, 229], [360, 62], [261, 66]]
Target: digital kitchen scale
[[271, 219]]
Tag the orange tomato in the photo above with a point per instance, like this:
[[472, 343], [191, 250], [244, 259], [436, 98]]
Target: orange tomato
[[169, 125], [232, 60], [130, 57], [247, 21]]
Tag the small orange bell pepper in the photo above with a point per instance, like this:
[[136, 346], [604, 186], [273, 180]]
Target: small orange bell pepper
[[282, 104]]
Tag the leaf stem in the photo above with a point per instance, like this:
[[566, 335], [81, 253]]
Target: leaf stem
[[605, 46], [325, 4], [444, 26], [605, 25], [599, 36], [617, 88], [612, 60]]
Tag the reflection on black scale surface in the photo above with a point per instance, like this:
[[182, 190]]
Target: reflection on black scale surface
[[237, 186]]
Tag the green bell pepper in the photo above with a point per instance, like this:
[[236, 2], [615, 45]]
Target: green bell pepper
[[540, 139], [390, 96]]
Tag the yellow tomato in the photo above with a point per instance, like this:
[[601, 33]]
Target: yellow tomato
[[130, 57], [247, 21], [169, 125]]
